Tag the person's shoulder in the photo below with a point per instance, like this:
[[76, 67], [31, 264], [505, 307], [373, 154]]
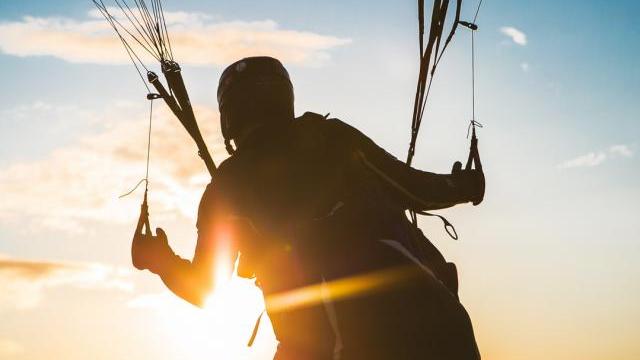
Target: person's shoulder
[[214, 193], [314, 121], [227, 165], [224, 171], [230, 166], [311, 118], [312, 130]]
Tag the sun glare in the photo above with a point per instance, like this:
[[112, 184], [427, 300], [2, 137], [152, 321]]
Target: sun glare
[[222, 328]]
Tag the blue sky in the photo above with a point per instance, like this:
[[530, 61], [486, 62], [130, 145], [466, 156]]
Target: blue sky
[[548, 261]]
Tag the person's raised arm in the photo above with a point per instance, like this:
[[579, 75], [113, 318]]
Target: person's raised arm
[[190, 280], [416, 190]]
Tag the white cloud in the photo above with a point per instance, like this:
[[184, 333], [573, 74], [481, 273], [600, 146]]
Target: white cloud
[[515, 35], [621, 150], [9, 349], [589, 160], [524, 66], [596, 158], [24, 282], [80, 182], [196, 40]]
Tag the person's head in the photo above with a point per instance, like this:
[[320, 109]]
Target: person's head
[[254, 92]]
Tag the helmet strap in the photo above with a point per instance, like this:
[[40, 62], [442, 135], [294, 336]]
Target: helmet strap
[[229, 146]]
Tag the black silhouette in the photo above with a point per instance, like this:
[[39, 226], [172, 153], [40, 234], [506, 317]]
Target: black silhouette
[[312, 200], [315, 209]]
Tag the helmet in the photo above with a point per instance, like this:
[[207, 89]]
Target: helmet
[[254, 90]]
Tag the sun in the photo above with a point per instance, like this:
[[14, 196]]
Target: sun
[[222, 328]]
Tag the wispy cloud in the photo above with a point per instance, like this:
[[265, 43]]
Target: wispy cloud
[[524, 66], [596, 158], [517, 36], [196, 39], [24, 282], [621, 150], [588, 160], [80, 182]]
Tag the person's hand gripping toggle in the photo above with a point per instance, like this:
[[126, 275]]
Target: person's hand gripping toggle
[[149, 252]]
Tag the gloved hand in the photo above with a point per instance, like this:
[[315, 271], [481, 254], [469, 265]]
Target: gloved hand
[[471, 182], [148, 251]]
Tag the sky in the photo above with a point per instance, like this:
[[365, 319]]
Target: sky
[[548, 262]]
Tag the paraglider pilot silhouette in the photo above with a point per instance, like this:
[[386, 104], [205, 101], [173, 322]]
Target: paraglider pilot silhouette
[[309, 201]]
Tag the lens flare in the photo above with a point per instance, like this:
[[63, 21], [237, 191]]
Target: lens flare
[[353, 286]]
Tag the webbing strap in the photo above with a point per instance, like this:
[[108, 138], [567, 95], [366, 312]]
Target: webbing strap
[[449, 228], [255, 330]]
